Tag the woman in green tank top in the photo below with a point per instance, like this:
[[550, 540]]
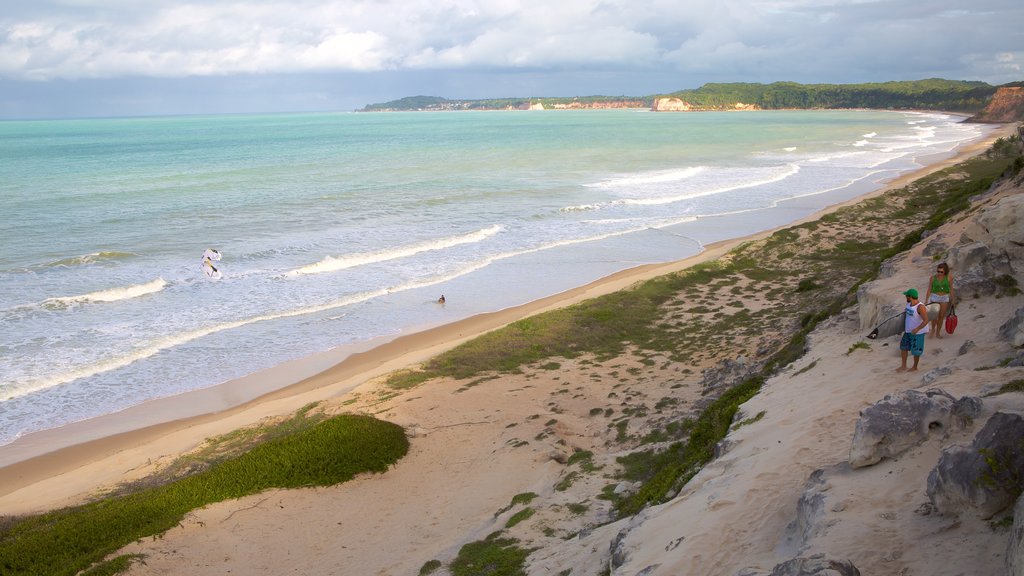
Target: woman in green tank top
[[940, 290]]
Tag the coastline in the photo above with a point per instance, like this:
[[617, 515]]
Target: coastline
[[41, 472]]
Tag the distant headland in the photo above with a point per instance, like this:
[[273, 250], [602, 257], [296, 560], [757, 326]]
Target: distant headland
[[933, 94]]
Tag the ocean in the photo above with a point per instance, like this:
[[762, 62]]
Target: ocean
[[336, 229]]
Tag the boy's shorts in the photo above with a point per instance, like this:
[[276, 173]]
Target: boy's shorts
[[912, 342]]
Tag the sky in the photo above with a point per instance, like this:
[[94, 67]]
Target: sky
[[87, 58]]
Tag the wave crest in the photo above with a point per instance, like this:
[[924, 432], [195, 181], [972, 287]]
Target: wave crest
[[109, 295], [333, 264], [93, 258]]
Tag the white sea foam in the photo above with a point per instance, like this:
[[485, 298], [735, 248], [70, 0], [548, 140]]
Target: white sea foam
[[781, 173], [333, 264], [775, 175], [860, 143], [147, 350], [655, 177], [869, 135], [109, 295], [790, 148]]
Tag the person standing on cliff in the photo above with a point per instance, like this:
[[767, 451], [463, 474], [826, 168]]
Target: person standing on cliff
[[913, 338], [940, 290]]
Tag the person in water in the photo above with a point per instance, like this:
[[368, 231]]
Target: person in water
[[940, 290], [209, 256], [441, 299], [913, 340]]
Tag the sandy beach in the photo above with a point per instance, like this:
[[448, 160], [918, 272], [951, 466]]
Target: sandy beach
[[461, 469], [164, 428]]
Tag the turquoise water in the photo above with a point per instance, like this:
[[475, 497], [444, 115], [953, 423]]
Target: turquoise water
[[337, 229]]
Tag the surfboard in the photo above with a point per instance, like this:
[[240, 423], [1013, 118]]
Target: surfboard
[[209, 256], [893, 325], [210, 271]]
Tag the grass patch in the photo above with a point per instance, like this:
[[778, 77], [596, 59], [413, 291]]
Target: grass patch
[[585, 459], [1011, 386], [861, 345], [429, 567], [567, 481], [523, 498], [67, 541], [749, 421], [493, 556], [520, 516], [577, 508]]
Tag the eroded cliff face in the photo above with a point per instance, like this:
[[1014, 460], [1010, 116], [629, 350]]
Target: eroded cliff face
[[670, 105], [1007, 105], [667, 104]]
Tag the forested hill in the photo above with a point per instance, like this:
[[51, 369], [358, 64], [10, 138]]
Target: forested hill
[[932, 94]]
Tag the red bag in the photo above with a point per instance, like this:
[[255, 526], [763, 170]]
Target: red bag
[[951, 320]]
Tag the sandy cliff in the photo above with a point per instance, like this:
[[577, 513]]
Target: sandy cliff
[[1007, 105]]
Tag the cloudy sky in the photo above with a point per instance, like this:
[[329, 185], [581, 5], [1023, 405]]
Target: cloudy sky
[[69, 58]]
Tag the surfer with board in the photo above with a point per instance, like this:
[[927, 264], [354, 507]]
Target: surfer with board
[[209, 257]]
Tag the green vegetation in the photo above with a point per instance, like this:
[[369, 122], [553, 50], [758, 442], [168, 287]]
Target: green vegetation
[[493, 556], [523, 498], [429, 567], [518, 517], [67, 541], [932, 94], [861, 345], [749, 421], [1011, 386], [578, 508]]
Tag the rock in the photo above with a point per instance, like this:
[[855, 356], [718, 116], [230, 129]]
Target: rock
[[935, 373], [1004, 224], [974, 267], [966, 410], [816, 565], [617, 548], [1015, 549], [985, 477], [966, 347], [1013, 329], [896, 423], [888, 268], [935, 247], [810, 509]]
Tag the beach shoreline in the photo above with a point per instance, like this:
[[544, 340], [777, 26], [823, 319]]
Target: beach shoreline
[[63, 465]]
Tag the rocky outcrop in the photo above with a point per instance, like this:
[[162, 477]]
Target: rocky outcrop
[[899, 422], [1015, 549], [984, 478], [1001, 226], [816, 565], [1013, 329], [976, 268], [1006, 105], [810, 509], [991, 249], [670, 105]]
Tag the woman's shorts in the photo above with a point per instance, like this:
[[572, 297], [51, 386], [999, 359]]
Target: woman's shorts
[[938, 298], [912, 342]]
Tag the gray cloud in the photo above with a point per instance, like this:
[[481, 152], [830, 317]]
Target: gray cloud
[[471, 48], [108, 39]]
